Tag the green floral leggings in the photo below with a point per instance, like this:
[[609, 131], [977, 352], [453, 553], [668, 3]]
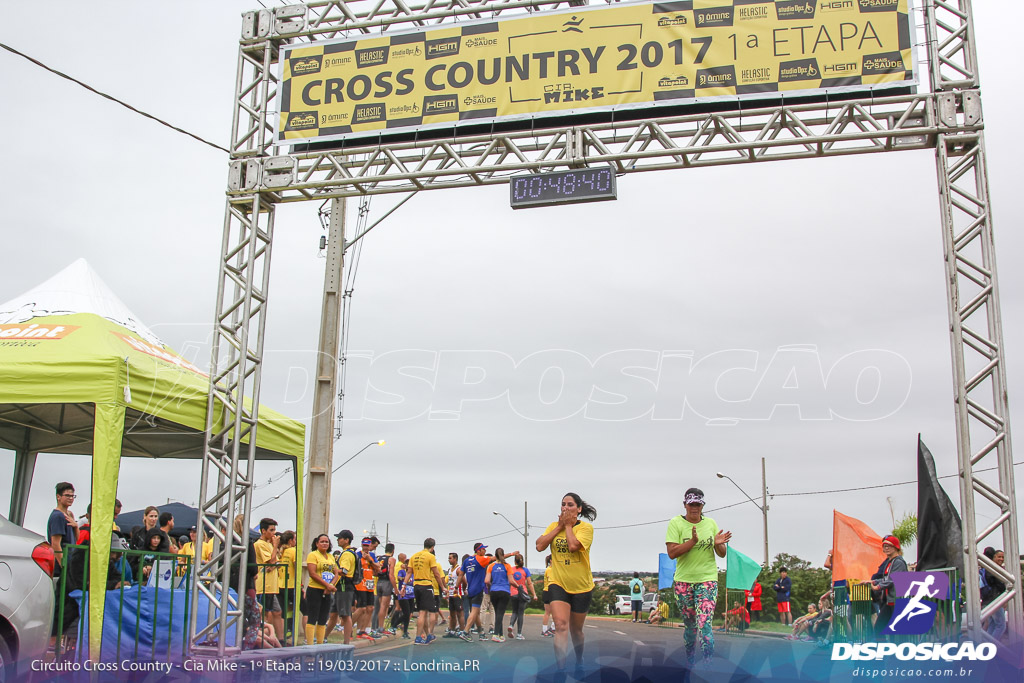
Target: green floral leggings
[[697, 606]]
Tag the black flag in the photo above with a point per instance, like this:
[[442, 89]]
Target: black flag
[[939, 536]]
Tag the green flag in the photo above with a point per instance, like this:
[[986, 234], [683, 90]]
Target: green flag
[[740, 571]]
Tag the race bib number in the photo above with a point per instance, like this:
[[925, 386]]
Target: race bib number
[[327, 577], [368, 583]]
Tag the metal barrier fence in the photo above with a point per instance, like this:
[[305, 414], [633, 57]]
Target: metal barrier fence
[[146, 587], [854, 614]]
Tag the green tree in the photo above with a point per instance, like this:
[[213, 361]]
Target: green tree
[[906, 530]]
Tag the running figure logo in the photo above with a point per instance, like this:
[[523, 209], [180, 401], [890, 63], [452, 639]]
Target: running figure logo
[[915, 608]]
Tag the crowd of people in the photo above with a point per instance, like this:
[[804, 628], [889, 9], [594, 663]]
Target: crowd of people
[[363, 595]]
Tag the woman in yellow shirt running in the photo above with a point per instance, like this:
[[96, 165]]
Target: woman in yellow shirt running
[[572, 584]]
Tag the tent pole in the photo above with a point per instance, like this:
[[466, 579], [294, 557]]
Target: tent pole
[[24, 466]]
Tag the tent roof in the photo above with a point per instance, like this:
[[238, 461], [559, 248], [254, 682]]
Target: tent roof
[[70, 343]]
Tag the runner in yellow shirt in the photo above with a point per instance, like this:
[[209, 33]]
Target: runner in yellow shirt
[[571, 584], [426, 575]]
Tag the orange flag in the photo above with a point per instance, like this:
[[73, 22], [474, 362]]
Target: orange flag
[[856, 549]]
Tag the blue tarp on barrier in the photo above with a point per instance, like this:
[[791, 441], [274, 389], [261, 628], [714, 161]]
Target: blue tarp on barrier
[[157, 615]]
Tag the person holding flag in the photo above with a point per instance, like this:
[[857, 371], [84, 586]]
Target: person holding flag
[[692, 541]]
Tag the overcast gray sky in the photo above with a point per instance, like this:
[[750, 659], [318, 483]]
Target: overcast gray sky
[[830, 263]]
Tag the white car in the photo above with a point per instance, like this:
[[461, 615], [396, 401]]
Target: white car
[[624, 604], [26, 598]]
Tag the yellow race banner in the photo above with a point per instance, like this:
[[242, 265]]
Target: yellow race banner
[[585, 59]]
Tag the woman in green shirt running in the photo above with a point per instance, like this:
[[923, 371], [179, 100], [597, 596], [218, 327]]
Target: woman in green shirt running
[[692, 541]]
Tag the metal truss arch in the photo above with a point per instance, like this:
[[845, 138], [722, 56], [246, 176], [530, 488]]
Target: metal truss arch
[[261, 175]]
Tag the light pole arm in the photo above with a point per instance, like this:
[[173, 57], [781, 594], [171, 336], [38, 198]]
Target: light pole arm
[[372, 443], [743, 492]]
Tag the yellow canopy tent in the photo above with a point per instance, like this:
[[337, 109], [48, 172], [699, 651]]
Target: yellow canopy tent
[[80, 374]]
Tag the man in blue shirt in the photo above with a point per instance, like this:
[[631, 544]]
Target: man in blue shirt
[[783, 586], [473, 572]]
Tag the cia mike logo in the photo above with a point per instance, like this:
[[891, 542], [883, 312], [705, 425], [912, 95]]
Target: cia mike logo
[[915, 608]]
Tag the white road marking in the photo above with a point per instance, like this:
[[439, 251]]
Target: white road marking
[[589, 626], [619, 632]]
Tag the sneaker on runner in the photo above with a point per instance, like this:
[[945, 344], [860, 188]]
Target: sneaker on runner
[[365, 636], [465, 636], [498, 639], [520, 636], [419, 641], [430, 638], [511, 633]]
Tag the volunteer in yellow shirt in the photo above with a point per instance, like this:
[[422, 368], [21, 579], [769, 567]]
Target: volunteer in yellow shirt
[[268, 551], [571, 584], [324, 575]]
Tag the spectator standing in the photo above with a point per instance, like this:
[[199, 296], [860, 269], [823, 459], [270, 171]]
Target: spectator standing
[[286, 576], [167, 526], [753, 597], [783, 587], [83, 527], [882, 585], [992, 588], [149, 521], [268, 552], [61, 527], [693, 540], [636, 596]]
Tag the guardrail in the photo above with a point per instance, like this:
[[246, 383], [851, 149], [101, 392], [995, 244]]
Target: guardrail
[[146, 605]]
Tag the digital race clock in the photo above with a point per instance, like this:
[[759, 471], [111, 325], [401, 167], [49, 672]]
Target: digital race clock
[[564, 187]]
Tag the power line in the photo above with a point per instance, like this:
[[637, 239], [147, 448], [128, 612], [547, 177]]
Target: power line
[[878, 486], [112, 98]]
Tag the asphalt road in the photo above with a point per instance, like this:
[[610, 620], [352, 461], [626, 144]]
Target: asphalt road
[[616, 651]]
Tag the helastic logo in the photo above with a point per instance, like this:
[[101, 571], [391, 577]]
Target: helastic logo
[[916, 606], [368, 113], [372, 56]]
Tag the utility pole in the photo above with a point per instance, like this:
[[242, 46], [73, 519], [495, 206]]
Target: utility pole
[[317, 501], [764, 513]]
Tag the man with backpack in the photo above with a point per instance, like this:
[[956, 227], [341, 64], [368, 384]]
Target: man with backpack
[[636, 596]]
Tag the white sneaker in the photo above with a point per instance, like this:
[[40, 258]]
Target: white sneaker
[[519, 636]]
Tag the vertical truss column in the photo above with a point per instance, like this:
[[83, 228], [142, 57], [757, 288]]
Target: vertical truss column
[[987, 503], [229, 448], [231, 417]]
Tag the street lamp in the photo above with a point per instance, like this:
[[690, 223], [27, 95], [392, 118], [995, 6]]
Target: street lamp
[[372, 443], [526, 532], [763, 507]]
